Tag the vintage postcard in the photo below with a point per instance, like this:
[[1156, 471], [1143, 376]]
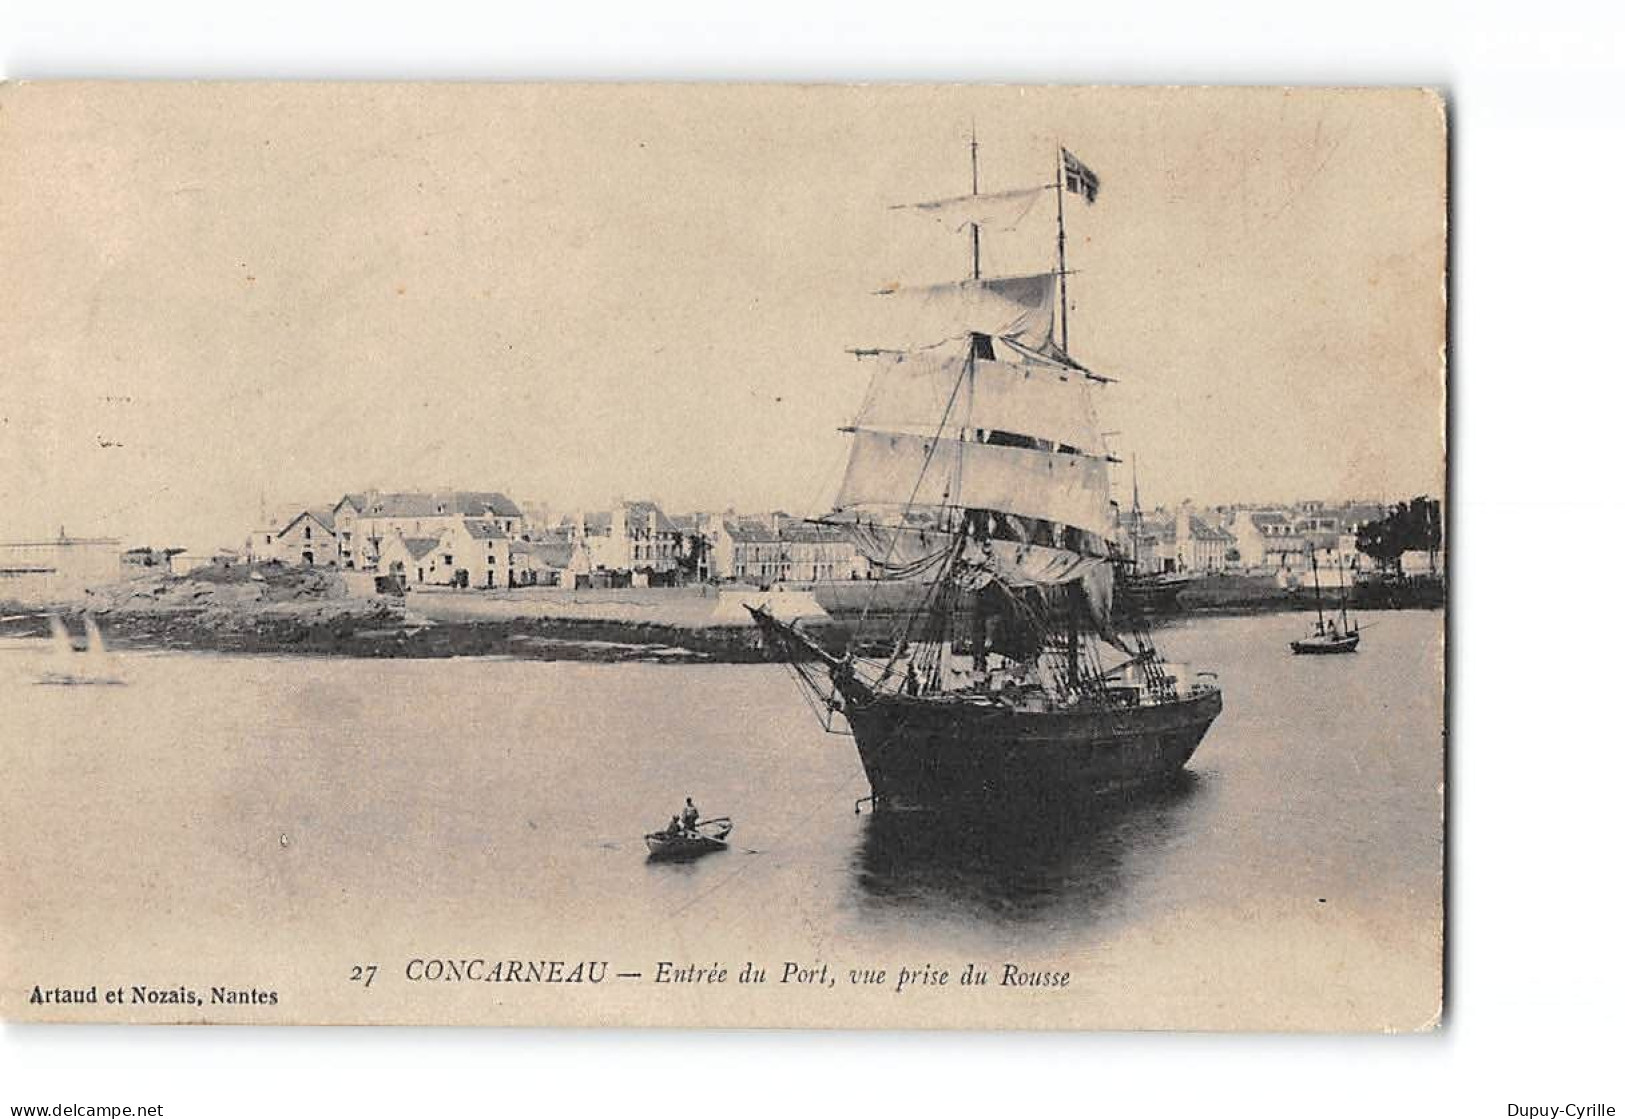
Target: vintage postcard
[[722, 555]]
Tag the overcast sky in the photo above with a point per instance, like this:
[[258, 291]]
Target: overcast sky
[[214, 294]]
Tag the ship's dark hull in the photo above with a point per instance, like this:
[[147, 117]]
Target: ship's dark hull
[[1326, 646], [953, 751], [1152, 594]]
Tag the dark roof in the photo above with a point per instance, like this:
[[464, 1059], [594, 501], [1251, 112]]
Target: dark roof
[[553, 552], [484, 530], [1157, 524], [1269, 518], [420, 546], [805, 532], [689, 522], [320, 516], [749, 532], [496, 504], [639, 511], [458, 503], [1201, 530], [637, 516], [1355, 515]]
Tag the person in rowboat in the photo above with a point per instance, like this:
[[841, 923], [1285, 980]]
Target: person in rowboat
[[691, 815]]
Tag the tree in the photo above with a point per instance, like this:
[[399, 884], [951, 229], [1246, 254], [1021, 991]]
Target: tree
[[694, 547], [1413, 526]]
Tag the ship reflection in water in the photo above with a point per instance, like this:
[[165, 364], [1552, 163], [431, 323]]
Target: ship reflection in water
[[1020, 868]]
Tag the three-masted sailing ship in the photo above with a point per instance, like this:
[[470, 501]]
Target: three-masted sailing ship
[[978, 469]]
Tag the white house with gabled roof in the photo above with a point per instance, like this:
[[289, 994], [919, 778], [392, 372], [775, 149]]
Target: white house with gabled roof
[[365, 520]]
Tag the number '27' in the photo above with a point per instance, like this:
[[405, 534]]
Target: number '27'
[[363, 974]]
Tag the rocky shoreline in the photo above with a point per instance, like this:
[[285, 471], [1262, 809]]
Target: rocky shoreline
[[305, 613], [385, 631]]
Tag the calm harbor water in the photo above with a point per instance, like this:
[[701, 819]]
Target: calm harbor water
[[278, 820]]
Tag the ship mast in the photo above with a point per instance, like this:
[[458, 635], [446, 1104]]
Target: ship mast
[[1320, 618], [1135, 518], [1060, 241], [978, 634], [1342, 597], [1017, 547], [1074, 592], [970, 361], [975, 229]]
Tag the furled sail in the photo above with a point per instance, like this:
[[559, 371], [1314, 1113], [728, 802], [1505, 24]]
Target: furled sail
[[1097, 584], [921, 553], [899, 470], [917, 552], [1021, 308], [1001, 211], [941, 389]]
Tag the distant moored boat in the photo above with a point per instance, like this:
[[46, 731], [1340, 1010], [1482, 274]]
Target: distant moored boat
[[1327, 638]]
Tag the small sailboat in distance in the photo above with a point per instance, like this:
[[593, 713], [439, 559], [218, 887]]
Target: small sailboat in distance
[[1327, 638], [70, 664]]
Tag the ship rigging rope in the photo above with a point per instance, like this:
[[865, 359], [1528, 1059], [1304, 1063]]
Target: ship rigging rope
[[822, 704], [927, 659], [1054, 659], [1039, 626]]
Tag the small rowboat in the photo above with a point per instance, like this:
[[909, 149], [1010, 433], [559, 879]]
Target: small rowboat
[[1327, 643], [690, 843]]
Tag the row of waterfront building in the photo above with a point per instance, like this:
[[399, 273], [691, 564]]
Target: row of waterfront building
[[487, 540], [1248, 538]]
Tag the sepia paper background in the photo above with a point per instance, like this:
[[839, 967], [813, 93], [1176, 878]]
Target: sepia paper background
[[596, 292]]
